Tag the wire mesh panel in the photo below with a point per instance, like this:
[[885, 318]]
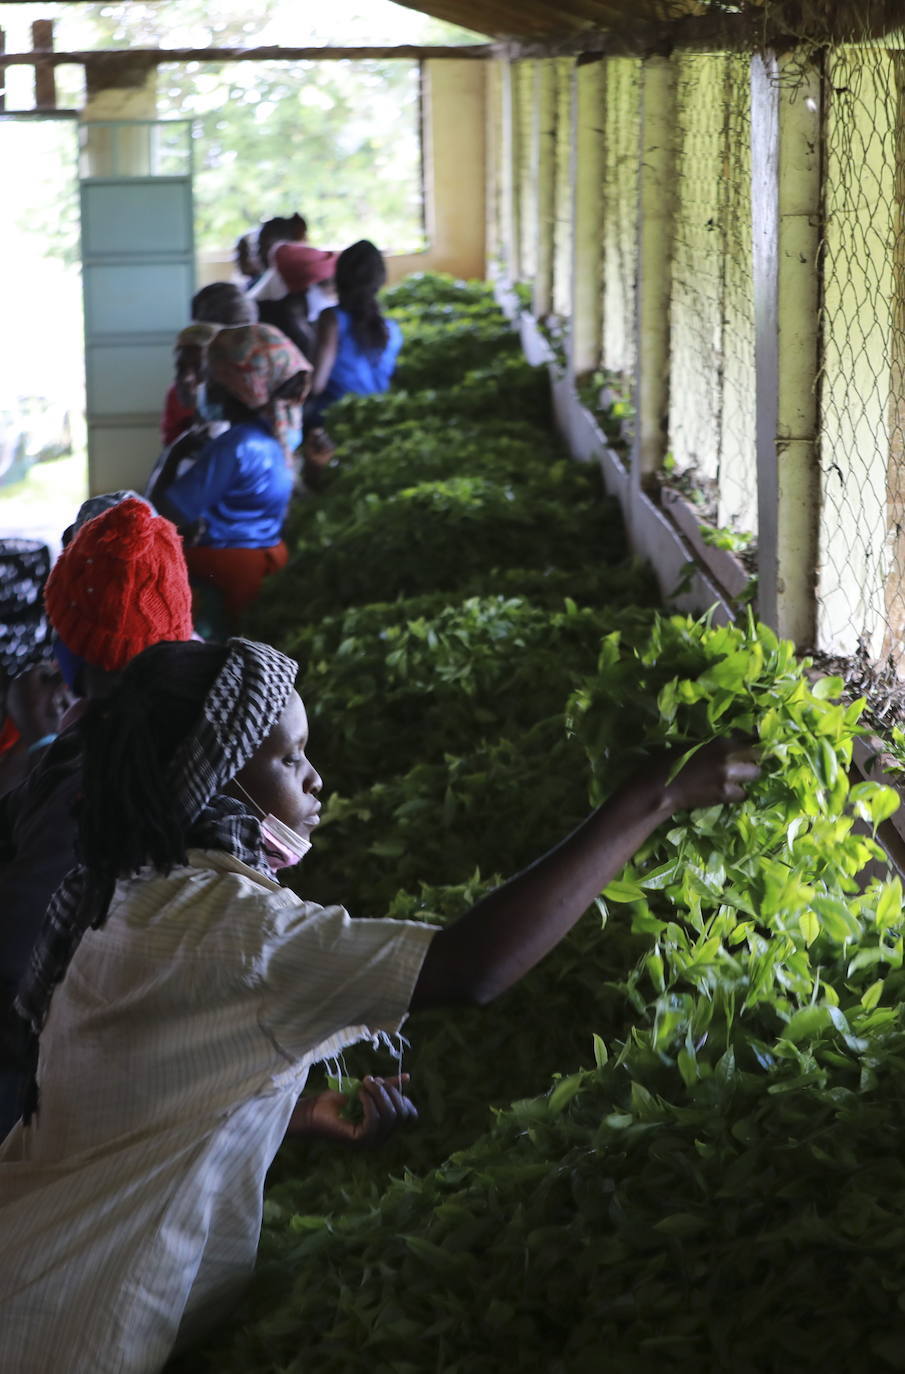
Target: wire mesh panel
[[621, 132], [562, 262], [712, 413], [697, 309], [737, 477], [862, 405], [526, 164]]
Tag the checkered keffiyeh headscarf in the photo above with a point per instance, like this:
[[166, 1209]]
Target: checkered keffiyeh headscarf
[[252, 362], [240, 710]]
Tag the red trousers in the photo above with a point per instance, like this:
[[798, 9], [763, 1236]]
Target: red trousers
[[236, 573]]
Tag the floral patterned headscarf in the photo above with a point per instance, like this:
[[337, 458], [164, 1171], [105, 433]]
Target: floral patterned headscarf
[[251, 362], [198, 334]]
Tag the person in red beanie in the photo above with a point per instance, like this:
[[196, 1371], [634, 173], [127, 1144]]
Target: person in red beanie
[[119, 586]]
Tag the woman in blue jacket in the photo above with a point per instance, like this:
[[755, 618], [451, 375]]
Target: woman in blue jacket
[[234, 497]]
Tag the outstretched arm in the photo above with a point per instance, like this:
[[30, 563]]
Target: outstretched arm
[[511, 929]]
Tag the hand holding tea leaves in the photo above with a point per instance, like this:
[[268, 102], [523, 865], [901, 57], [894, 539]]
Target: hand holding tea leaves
[[710, 774], [364, 1114]]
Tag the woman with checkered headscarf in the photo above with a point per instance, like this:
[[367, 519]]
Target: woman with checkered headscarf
[[232, 501], [180, 995]]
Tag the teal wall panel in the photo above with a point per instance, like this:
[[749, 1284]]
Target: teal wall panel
[[155, 217], [123, 377], [137, 298], [138, 280]]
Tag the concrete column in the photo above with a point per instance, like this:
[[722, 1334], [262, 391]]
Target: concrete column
[[454, 175], [786, 204], [588, 154], [656, 221], [509, 216], [118, 90], [545, 180], [494, 139]]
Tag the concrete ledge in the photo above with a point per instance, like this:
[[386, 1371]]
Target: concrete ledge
[[655, 538], [506, 298], [651, 534], [729, 572], [536, 348]]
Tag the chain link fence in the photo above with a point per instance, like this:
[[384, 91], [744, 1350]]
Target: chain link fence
[[711, 413], [861, 570], [859, 516], [621, 125], [737, 476], [562, 229]]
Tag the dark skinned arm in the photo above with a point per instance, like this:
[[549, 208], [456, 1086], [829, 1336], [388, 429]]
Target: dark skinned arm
[[325, 350], [510, 930]]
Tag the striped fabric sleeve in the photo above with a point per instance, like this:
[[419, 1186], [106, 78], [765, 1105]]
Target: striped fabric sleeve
[[330, 981]]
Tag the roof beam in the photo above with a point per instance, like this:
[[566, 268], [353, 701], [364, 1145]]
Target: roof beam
[[156, 57]]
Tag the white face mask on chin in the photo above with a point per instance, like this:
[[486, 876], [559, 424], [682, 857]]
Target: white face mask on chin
[[283, 846]]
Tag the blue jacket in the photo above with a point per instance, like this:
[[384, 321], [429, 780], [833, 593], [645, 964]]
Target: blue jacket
[[239, 488]]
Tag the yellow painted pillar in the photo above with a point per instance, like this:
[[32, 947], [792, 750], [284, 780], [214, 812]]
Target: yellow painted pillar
[[588, 170], [493, 164], [786, 197], [509, 152], [455, 129], [656, 222], [120, 90], [525, 167], [545, 181]]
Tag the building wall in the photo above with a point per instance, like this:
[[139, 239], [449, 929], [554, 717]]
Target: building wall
[[748, 285]]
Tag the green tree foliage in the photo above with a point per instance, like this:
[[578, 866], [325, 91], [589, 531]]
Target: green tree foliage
[[338, 141]]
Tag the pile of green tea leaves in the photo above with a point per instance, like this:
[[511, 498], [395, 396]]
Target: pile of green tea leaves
[[676, 1144]]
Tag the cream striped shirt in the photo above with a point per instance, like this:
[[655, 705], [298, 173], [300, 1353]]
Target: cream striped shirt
[[173, 1055]]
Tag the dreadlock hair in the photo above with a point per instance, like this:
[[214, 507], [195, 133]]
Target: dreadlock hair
[[360, 273], [127, 816]]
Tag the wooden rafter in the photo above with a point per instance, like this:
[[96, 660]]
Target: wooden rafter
[[155, 57]]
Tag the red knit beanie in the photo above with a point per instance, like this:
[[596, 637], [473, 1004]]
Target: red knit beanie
[[120, 586]]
